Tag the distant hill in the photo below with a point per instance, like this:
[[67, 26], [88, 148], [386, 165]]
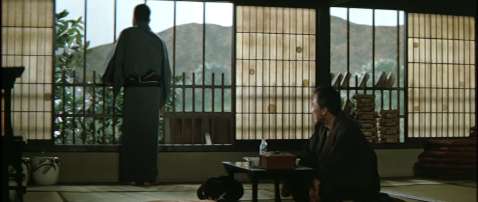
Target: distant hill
[[188, 47], [218, 46], [360, 44]]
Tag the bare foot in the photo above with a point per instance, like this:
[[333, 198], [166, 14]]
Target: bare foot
[[151, 183], [129, 183]]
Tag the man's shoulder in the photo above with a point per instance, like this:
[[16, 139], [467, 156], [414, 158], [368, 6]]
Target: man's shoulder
[[157, 35], [346, 123], [138, 32], [129, 29], [345, 120]]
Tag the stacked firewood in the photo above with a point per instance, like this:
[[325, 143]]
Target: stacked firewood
[[453, 159], [389, 126], [366, 115]]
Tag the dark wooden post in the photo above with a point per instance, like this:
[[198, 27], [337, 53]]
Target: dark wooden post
[[11, 146]]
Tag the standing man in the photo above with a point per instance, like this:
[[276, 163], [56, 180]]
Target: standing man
[[345, 162], [139, 63]]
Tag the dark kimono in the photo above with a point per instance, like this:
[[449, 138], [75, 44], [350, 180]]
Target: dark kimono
[[345, 163], [139, 53]]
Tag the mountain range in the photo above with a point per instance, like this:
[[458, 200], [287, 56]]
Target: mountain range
[[218, 46]]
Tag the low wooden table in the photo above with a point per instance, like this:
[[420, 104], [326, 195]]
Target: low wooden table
[[256, 173]]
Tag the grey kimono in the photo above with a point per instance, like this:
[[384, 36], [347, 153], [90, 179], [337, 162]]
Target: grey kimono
[[139, 53]]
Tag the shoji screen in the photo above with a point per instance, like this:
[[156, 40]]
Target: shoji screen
[[275, 72], [27, 40], [441, 75]]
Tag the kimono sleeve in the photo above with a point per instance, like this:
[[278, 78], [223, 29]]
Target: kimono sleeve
[[166, 80], [113, 69]]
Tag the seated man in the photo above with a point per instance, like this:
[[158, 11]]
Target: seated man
[[345, 162]]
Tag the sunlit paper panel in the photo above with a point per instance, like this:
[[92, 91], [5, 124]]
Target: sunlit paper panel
[[440, 105], [28, 40], [268, 56]]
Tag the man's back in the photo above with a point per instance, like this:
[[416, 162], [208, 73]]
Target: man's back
[[137, 53], [144, 51]]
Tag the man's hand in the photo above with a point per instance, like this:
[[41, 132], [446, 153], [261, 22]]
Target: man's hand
[[284, 190], [162, 110], [314, 191]]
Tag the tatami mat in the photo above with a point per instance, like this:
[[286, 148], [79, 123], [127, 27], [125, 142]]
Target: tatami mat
[[437, 192], [112, 188], [42, 197], [128, 196], [136, 193], [406, 182], [410, 190], [466, 184]]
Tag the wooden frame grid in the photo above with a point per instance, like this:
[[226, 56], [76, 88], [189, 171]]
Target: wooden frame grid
[[27, 40], [441, 81], [275, 72]]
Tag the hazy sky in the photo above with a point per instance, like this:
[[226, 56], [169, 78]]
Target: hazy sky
[[101, 26], [365, 16]]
